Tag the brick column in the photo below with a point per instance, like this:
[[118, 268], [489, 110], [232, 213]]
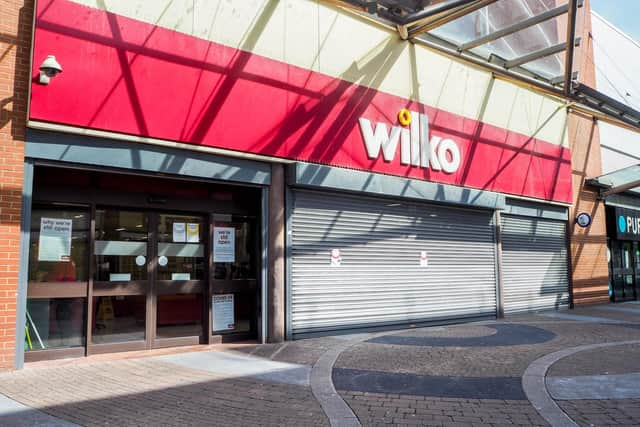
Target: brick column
[[16, 17], [276, 282], [590, 271]]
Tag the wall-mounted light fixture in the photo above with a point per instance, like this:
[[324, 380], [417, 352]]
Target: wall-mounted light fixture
[[49, 68]]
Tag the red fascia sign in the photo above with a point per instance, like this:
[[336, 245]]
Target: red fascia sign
[[130, 77]]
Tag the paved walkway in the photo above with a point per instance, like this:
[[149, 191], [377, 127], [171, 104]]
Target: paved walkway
[[565, 368]]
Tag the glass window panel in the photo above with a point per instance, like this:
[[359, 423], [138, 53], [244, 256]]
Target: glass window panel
[[118, 319], [181, 250], [549, 67], [495, 17], [121, 245], [246, 244], [76, 268], [504, 13], [55, 323], [179, 315]]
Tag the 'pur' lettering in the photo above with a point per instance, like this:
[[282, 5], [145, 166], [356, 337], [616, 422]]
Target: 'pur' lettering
[[415, 147]]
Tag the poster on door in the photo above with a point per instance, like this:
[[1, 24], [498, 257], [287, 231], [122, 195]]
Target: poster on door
[[224, 244], [222, 312], [193, 233], [54, 243], [179, 232]]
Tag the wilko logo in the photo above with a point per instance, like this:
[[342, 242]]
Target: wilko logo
[[415, 147]]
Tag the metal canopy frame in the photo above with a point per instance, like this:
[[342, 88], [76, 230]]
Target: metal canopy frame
[[417, 26], [619, 181]]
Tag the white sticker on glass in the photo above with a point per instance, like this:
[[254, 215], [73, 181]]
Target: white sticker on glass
[[336, 258]]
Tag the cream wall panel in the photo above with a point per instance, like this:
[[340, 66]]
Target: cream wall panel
[[450, 85], [302, 34], [177, 15], [312, 35], [524, 111], [355, 51], [253, 25], [501, 104]]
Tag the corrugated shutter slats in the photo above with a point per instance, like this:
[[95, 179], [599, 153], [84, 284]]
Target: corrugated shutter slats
[[380, 280], [534, 264]]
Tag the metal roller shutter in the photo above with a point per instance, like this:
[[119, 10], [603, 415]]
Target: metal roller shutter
[[534, 264], [380, 280]]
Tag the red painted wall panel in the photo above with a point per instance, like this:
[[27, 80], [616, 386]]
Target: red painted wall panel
[[130, 77]]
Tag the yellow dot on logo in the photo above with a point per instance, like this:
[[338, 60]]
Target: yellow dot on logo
[[404, 117]]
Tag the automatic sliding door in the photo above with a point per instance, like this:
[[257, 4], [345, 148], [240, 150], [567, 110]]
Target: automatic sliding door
[[179, 279], [120, 303]]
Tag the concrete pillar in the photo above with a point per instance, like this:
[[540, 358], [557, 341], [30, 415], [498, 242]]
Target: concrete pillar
[[276, 275]]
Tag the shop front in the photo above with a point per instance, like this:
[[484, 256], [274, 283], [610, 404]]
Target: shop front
[[624, 253], [132, 258], [155, 212]]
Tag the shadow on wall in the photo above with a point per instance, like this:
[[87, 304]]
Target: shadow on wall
[[13, 107], [590, 279], [234, 99]]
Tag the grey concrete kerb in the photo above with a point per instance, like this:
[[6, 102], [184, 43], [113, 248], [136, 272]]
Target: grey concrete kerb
[[334, 407], [533, 383]]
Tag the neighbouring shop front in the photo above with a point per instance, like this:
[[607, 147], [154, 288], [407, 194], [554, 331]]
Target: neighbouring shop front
[[623, 235]]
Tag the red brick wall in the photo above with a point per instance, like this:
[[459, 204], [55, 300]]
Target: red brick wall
[[588, 245], [16, 18]]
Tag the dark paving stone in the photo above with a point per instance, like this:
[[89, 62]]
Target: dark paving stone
[[505, 388], [506, 335]]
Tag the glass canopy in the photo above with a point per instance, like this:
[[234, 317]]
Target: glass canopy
[[622, 180], [528, 40], [481, 33]]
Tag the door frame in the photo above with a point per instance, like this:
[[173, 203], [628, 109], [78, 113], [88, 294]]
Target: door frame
[[148, 288], [617, 250], [90, 196]]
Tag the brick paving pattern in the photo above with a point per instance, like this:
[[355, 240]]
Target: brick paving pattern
[[395, 409], [146, 392], [440, 376], [603, 413]]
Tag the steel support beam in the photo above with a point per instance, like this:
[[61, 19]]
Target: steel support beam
[[560, 79], [542, 53], [519, 26], [425, 13], [620, 188], [571, 36], [458, 13]]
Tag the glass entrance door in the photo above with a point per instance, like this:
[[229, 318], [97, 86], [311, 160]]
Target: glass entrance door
[[180, 273], [149, 280], [120, 296], [626, 260]]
